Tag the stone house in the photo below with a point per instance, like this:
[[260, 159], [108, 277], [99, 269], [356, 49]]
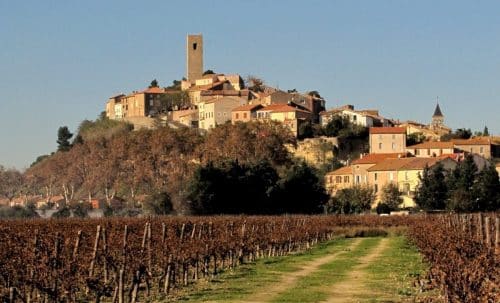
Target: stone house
[[360, 166], [409, 176], [338, 179], [366, 118], [385, 140], [217, 111], [144, 103], [245, 113], [384, 173], [431, 149], [480, 146], [290, 116]]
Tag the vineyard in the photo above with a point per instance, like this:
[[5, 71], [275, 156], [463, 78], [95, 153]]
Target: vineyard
[[137, 260]]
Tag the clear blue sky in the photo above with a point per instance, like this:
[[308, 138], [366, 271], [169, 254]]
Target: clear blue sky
[[61, 60]]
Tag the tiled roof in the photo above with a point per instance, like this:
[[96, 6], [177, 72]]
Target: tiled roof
[[281, 108], [390, 164], [152, 90], [246, 107], [473, 141], [420, 163], [376, 158], [387, 130], [406, 164], [432, 145], [346, 170]]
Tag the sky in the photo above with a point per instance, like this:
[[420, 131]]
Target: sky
[[61, 60]]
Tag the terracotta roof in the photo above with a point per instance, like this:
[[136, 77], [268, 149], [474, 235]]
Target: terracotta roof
[[390, 164], [473, 141], [152, 90], [207, 86], [376, 158], [407, 163], [281, 108], [346, 170], [246, 107], [420, 163], [387, 130], [432, 145]]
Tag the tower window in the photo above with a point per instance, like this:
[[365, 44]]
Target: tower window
[[195, 45]]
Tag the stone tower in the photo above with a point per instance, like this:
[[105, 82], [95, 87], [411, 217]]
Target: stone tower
[[194, 53], [437, 118]]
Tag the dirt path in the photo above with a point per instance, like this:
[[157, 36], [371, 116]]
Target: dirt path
[[289, 279], [353, 285]]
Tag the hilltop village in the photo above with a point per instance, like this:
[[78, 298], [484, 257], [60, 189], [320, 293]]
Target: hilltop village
[[210, 127], [205, 100]]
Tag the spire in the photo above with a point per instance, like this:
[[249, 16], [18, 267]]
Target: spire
[[437, 111]]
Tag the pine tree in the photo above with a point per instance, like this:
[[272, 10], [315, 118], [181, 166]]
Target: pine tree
[[432, 192], [487, 189], [63, 137], [486, 133]]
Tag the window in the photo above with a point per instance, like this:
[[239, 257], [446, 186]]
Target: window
[[244, 115], [358, 179], [354, 118], [338, 179], [237, 116], [375, 176], [346, 179], [195, 45], [224, 114], [481, 150], [393, 146], [380, 146], [376, 188], [391, 176], [428, 152]]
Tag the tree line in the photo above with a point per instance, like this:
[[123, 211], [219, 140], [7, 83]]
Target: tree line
[[233, 169]]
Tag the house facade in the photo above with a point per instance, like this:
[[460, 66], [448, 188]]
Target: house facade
[[431, 149], [480, 146], [366, 118], [290, 116], [217, 111], [384, 140], [338, 179], [245, 113]]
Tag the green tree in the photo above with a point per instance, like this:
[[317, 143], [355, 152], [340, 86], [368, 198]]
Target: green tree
[[300, 191], [158, 204], [213, 190], [63, 137], [487, 189], [154, 83], [486, 132], [208, 72], [391, 196], [255, 84], [415, 138], [305, 131], [432, 191], [64, 212], [353, 200]]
